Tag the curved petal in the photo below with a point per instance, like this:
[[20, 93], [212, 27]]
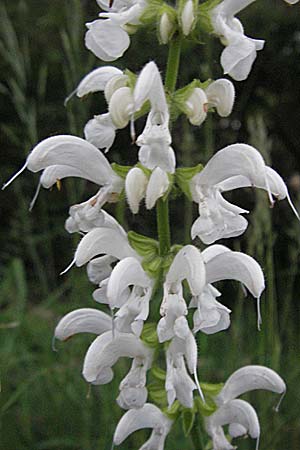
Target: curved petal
[[106, 350], [103, 241], [84, 320], [149, 86], [250, 378], [214, 250], [96, 80], [221, 94], [52, 174], [236, 159], [237, 411], [188, 264], [236, 266], [106, 39], [100, 268], [67, 150], [149, 416], [126, 273]]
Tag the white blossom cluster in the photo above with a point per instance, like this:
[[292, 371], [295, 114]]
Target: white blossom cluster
[[126, 267]]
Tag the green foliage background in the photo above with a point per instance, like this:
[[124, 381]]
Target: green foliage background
[[44, 402]]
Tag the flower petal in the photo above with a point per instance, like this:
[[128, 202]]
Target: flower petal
[[221, 94], [103, 241], [100, 131], [237, 411], [126, 273], [84, 320], [96, 80], [106, 350], [236, 266], [135, 188], [157, 186], [149, 416], [250, 378], [188, 264], [106, 39], [67, 150]]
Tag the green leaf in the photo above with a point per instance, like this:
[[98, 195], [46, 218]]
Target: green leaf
[[183, 178], [122, 171], [158, 373], [188, 419], [149, 335], [143, 245]]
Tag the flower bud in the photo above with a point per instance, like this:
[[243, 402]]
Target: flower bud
[[196, 106], [166, 28], [135, 188], [113, 84], [187, 17], [121, 107]]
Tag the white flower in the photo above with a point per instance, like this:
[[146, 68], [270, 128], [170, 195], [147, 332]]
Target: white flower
[[101, 130], [235, 166], [224, 264], [155, 152], [240, 52], [149, 416], [70, 156], [238, 414], [108, 38], [105, 351], [133, 393], [219, 94], [134, 307]]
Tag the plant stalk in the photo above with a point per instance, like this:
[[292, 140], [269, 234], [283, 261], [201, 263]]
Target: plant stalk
[[162, 208]]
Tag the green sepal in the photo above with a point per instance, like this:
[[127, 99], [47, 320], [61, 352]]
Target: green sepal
[[143, 245], [158, 373], [157, 393], [188, 419], [204, 24], [152, 265], [131, 78], [151, 12], [170, 187], [149, 335], [122, 171], [181, 96], [205, 409], [183, 177], [146, 171], [174, 411], [211, 388]]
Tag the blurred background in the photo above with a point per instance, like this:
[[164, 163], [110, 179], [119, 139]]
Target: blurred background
[[44, 402]]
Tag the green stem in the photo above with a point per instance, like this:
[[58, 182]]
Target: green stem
[[163, 226], [173, 64], [162, 209], [196, 437]]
